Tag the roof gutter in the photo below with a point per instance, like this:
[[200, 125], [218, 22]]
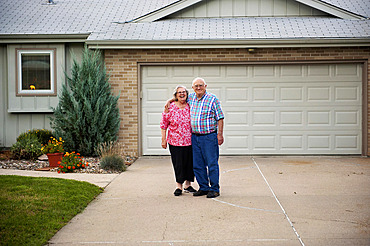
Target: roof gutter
[[43, 38], [252, 43]]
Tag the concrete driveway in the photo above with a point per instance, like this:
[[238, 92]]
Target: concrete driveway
[[264, 201]]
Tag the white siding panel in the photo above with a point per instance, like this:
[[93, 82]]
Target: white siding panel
[[246, 8], [269, 109]]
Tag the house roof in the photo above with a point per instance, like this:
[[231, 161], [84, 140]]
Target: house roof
[[111, 24], [358, 7]]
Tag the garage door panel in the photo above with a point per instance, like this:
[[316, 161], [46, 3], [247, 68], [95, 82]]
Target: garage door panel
[[291, 142], [319, 118], [237, 119], [236, 72], [264, 94], [264, 142], [319, 94], [321, 70], [210, 71], [347, 93], [291, 94], [182, 71], [157, 71], [349, 118], [238, 95], [259, 142], [347, 70], [293, 70], [264, 118], [152, 144], [347, 142], [152, 118], [269, 109], [291, 118], [236, 142], [156, 95], [264, 71]]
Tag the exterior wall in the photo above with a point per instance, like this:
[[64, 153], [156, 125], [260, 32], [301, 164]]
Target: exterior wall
[[123, 67], [13, 124]]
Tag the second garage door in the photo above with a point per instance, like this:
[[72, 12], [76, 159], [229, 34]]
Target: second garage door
[[269, 109]]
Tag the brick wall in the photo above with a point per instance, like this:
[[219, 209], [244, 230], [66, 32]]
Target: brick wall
[[122, 65]]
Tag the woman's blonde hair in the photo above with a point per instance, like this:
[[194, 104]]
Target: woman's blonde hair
[[175, 91]]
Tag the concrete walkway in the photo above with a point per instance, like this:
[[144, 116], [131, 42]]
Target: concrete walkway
[[101, 180], [264, 201]]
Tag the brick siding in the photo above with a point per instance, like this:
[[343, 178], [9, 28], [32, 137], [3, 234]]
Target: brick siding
[[122, 65]]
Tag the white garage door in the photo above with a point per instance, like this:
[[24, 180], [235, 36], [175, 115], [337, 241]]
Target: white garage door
[[269, 109]]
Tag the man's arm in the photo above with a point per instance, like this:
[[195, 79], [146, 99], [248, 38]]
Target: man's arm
[[167, 105], [220, 131]]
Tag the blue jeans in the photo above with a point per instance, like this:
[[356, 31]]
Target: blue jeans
[[205, 161]]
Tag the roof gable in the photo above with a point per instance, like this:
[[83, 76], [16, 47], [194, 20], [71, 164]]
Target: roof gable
[[249, 8]]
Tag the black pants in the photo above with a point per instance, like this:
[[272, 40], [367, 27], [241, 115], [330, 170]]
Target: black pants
[[182, 160]]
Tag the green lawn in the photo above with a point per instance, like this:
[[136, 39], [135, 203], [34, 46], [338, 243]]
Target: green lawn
[[34, 209]]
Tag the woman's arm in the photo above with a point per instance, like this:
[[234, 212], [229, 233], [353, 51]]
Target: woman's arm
[[164, 138]]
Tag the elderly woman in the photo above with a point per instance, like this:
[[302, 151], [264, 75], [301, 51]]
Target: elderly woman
[[177, 122]]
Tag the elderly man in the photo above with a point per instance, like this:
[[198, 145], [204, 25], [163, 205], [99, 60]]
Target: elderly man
[[207, 133]]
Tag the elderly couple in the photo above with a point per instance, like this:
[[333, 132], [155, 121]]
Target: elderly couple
[[195, 129]]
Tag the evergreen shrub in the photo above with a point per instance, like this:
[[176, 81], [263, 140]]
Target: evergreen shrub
[[87, 114]]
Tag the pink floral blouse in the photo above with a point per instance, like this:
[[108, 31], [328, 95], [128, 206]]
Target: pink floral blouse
[[177, 122]]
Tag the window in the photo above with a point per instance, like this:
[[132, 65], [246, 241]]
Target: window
[[35, 72]]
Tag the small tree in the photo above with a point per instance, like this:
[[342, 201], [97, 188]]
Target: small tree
[[87, 114]]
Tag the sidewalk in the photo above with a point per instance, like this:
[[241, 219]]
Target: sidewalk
[[101, 180], [264, 201]]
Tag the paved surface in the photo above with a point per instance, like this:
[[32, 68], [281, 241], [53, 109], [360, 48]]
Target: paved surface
[[101, 180], [264, 201]]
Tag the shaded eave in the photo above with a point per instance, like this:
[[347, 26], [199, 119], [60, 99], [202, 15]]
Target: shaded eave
[[43, 38], [248, 43]]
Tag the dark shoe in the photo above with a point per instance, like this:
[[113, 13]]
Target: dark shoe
[[212, 194], [177, 192], [190, 189], [200, 193]]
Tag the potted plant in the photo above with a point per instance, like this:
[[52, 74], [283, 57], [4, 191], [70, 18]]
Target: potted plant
[[54, 150]]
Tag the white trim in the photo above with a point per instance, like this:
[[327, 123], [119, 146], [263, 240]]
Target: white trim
[[241, 44], [330, 9], [33, 111], [35, 92], [165, 11]]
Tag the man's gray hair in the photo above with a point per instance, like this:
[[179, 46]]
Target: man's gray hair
[[198, 78]]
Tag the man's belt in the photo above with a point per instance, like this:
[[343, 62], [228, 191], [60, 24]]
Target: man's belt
[[203, 134]]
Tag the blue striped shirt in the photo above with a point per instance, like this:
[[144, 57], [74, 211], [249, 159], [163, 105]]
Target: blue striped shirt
[[204, 113]]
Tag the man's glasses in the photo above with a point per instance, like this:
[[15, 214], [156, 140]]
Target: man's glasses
[[200, 86]]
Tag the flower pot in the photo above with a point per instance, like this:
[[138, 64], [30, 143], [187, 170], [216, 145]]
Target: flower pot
[[54, 158]]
